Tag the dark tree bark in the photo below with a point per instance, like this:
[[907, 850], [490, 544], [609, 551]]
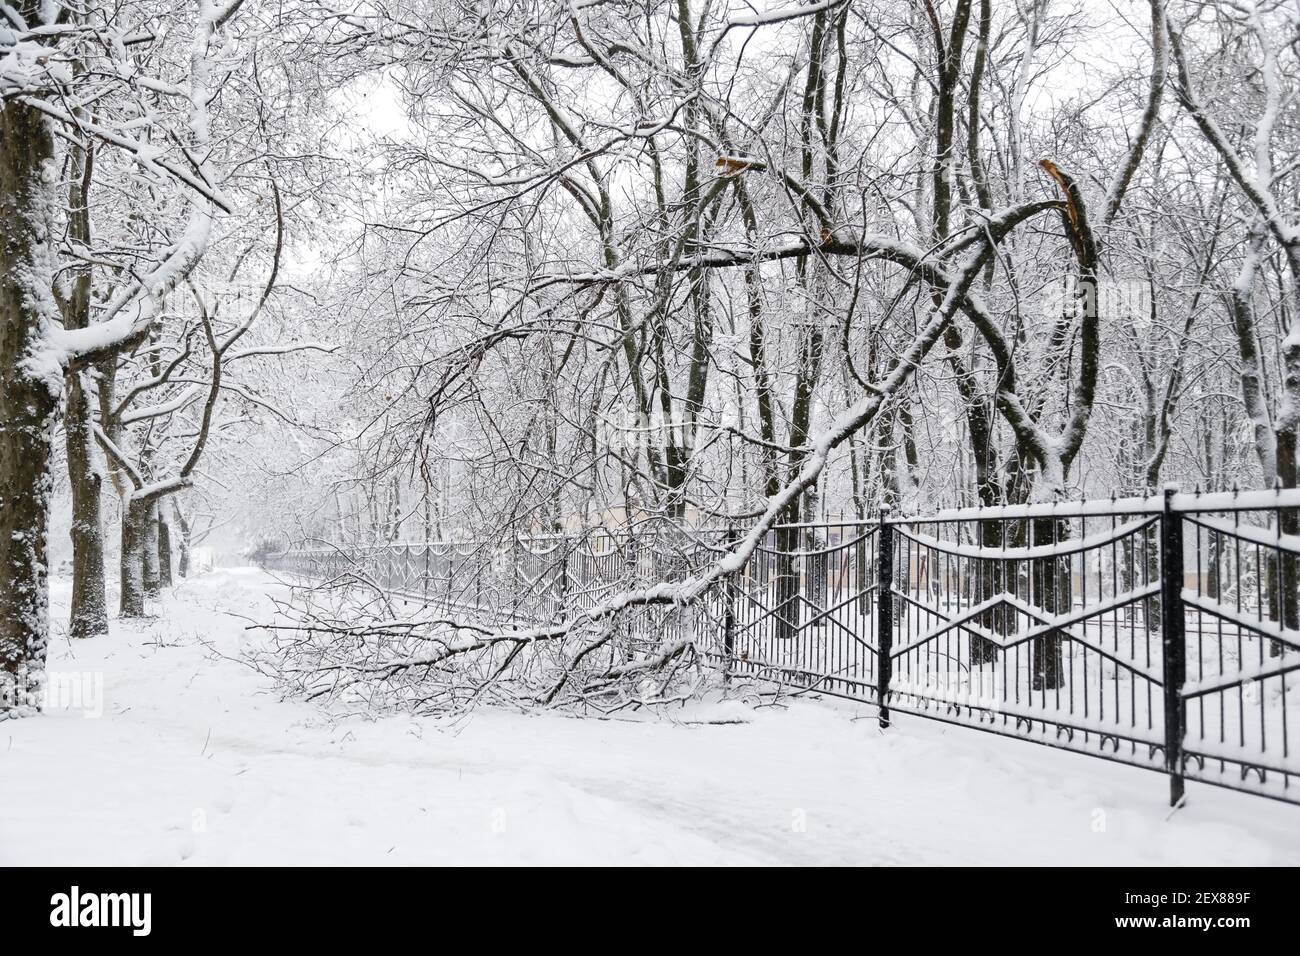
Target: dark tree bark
[[183, 559], [89, 611], [149, 552], [135, 519], [1051, 584], [29, 397], [164, 553]]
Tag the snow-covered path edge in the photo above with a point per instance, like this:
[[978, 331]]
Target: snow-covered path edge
[[194, 761]]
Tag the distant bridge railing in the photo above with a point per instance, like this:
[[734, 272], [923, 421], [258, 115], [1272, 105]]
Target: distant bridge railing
[[1161, 632]]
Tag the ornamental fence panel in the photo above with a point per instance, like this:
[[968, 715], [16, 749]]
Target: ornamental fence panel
[[1161, 632]]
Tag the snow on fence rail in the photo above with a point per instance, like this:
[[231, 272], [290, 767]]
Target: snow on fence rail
[[1044, 622]]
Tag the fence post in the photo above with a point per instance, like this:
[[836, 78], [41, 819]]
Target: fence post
[[729, 614], [563, 596], [884, 613], [1173, 640], [516, 546]]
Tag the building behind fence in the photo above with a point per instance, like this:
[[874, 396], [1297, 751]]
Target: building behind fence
[[1043, 622]]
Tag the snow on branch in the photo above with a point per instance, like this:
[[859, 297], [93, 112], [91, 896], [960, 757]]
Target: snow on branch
[[186, 398], [129, 317], [282, 350], [783, 14], [130, 314]]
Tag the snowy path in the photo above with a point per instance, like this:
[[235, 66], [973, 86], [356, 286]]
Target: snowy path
[[194, 762]]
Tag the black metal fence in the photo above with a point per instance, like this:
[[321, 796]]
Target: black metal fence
[[1161, 632]]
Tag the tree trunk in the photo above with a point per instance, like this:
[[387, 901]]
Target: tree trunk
[[991, 579], [183, 560], [786, 583], [1052, 587], [89, 613], [29, 401], [1288, 476], [149, 554], [164, 552], [1283, 569], [991, 576], [135, 526]]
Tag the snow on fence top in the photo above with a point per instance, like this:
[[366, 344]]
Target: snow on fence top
[[1185, 502]]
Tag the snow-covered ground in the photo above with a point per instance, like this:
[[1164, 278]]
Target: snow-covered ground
[[193, 761]]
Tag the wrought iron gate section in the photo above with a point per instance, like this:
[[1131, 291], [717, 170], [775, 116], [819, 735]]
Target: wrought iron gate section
[[1044, 627], [804, 611], [1241, 594]]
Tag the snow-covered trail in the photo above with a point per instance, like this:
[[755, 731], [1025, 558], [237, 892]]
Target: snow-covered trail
[[193, 761]]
